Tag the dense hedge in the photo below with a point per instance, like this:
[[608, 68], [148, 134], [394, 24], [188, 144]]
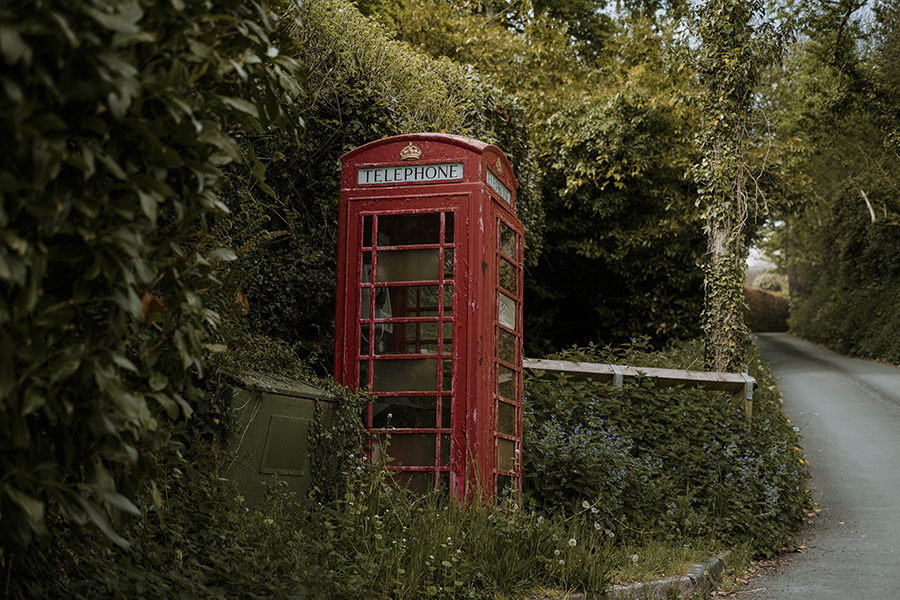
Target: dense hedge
[[648, 462], [364, 87], [848, 298], [765, 310], [665, 462], [115, 118], [129, 130]]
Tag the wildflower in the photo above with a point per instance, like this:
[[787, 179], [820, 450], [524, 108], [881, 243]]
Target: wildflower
[[562, 562], [573, 542], [634, 558], [585, 504], [597, 525], [556, 552], [595, 510]]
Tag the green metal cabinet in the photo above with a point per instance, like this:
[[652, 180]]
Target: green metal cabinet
[[274, 417]]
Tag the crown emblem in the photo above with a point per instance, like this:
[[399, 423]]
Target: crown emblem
[[499, 167], [410, 153]]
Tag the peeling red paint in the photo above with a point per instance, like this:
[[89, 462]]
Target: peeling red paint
[[435, 343]]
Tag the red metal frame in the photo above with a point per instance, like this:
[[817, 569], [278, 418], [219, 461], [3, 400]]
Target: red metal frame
[[429, 249]]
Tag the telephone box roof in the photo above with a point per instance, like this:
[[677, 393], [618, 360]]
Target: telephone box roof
[[472, 145]]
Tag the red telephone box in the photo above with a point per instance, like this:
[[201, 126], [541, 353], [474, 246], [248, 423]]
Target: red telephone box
[[429, 309]]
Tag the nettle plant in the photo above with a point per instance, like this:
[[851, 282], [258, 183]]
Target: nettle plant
[[665, 462]]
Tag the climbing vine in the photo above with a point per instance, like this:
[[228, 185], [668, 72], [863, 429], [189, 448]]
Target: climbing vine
[[736, 45]]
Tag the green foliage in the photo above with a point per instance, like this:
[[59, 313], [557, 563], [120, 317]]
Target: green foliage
[[850, 302], [664, 462], [376, 540], [839, 247], [366, 86], [623, 213], [115, 119], [736, 45], [768, 281], [765, 311], [612, 152]]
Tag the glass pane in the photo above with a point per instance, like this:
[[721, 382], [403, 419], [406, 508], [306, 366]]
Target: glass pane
[[506, 346], [447, 379], [448, 263], [363, 374], [409, 230], [428, 331], [508, 276], [508, 241], [420, 482], [445, 450], [422, 348], [448, 300], [411, 449], [506, 385], [409, 338], [505, 486], [383, 304], [367, 232], [445, 412], [408, 265], [389, 337], [412, 301], [398, 375], [506, 455], [409, 412], [448, 337], [506, 418], [448, 228], [506, 311]]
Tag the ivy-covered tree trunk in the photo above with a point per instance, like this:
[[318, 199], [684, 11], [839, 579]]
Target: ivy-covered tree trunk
[[735, 47]]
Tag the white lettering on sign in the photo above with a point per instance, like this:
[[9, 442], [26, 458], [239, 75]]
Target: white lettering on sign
[[499, 187], [410, 174]]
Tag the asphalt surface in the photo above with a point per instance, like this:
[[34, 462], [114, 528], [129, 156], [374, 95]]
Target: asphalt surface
[[849, 414]]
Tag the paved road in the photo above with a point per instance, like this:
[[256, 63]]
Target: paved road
[[849, 414]]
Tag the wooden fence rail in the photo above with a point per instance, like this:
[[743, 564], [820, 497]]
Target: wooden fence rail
[[740, 385]]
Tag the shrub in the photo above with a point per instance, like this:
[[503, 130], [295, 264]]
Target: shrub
[[664, 462], [768, 281], [377, 541], [114, 120], [765, 311]]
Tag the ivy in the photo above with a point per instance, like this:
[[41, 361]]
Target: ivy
[[735, 46]]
